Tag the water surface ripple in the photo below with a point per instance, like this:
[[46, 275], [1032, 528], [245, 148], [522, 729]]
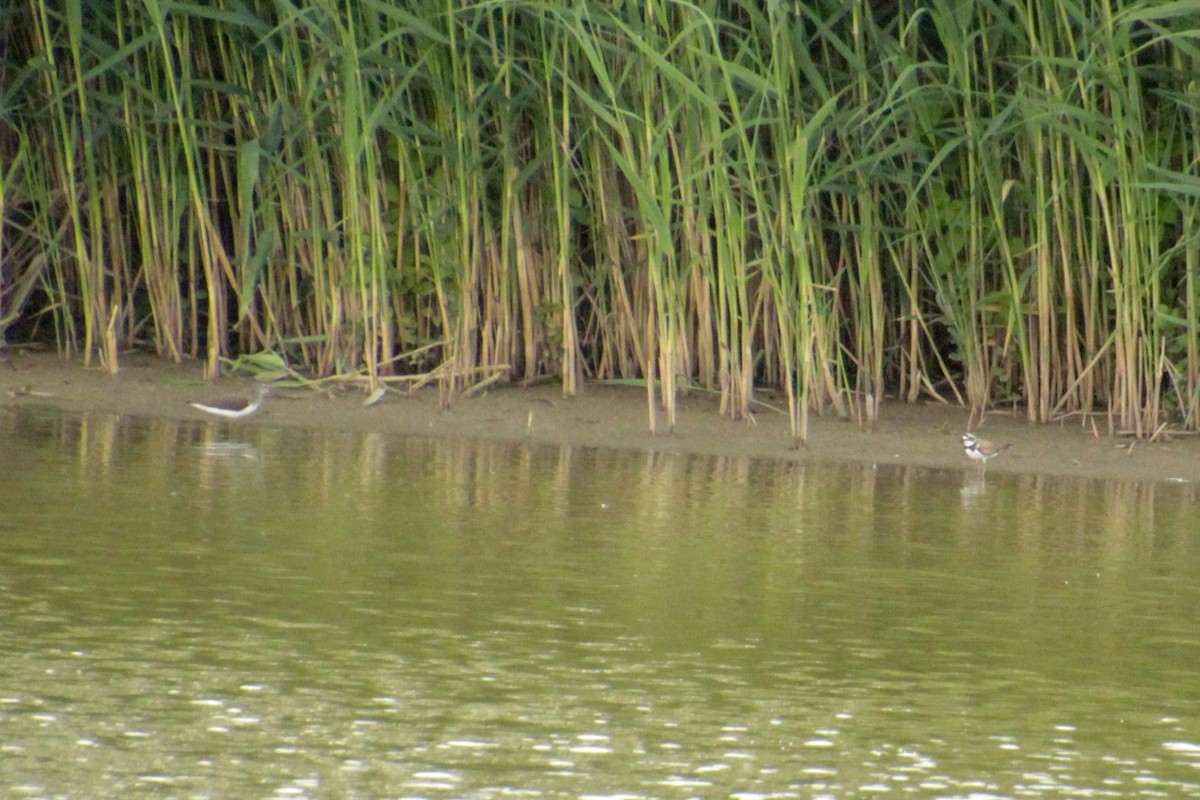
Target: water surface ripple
[[214, 611]]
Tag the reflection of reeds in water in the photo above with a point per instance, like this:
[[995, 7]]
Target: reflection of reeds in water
[[732, 506], [948, 207]]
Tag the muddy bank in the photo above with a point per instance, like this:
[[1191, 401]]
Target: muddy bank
[[609, 416]]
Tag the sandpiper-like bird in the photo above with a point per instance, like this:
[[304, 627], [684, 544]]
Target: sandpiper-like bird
[[234, 407], [981, 450]]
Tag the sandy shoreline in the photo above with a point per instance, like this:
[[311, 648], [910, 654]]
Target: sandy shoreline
[[608, 416]]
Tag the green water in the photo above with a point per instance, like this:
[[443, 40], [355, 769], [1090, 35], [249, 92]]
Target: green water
[[213, 611]]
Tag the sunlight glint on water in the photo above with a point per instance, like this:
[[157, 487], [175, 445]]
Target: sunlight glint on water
[[207, 611]]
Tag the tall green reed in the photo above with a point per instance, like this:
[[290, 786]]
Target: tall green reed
[[989, 204]]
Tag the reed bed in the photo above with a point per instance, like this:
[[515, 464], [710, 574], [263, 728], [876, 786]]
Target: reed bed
[[992, 204]]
